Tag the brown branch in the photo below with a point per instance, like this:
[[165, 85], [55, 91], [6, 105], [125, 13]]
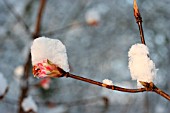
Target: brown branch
[[39, 17], [151, 87], [25, 86], [138, 21], [147, 86], [2, 96], [112, 87]]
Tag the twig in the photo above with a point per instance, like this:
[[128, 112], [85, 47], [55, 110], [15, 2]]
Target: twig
[[39, 17], [147, 86], [2, 96], [17, 16], [112, 87], [25, 86], [138, 21]]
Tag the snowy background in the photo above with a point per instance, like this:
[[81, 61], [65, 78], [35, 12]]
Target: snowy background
[[96, 52]]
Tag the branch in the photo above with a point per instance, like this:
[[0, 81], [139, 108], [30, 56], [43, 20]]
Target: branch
[[25, 87], [39, 17], [112, 87], [2, 96], [151, 86], [138, 21], [148, 86]]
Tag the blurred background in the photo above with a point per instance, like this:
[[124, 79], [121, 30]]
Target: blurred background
[[97, 35]]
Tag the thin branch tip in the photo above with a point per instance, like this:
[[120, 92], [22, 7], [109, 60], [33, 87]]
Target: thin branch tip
[[136, 12]]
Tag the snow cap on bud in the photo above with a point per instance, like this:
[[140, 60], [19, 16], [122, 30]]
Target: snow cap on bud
[[29, 105], [49, 58], [92, 17], [142, 68]]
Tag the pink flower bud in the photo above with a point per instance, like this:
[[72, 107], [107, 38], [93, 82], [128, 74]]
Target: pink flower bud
[[47, 69]]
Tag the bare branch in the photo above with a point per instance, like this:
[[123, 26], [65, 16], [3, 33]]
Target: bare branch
[[138, 21], [25, 87], [2, 96], [148, 86], [39, 17]]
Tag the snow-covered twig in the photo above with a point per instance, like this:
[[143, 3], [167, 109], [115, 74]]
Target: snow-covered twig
[[49, 59]]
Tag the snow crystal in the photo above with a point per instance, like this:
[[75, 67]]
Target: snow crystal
[[3, 85], [108, 82], [141, 66], [51, 49], [29, 104]]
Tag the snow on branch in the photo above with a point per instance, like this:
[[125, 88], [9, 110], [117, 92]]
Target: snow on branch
[[142, 68], [107, 81]]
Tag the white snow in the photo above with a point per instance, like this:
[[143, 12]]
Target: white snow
[[141, 66], [19, 71], [3, 85], [51, 49], [92, 16], [29, 104], [107, 81]]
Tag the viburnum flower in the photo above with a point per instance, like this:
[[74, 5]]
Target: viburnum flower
[[49, 58], [142, 68]]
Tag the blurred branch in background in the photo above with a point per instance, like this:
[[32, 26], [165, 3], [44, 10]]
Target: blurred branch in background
[[25, 79]]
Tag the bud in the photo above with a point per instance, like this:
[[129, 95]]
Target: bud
[[47, 69], [49, 58]]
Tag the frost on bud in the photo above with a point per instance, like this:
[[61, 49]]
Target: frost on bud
[[142, 68], [107, 81], [49, 58], [29, 105], [3, 86], [92, 17]]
